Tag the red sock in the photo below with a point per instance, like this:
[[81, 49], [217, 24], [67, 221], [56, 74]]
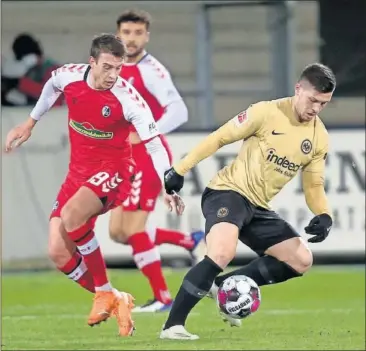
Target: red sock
[[147, 260], [76, 270], [167, 236], [88, 246]]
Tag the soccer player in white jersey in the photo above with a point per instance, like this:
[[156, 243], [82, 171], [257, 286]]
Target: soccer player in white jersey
[[128, 223]]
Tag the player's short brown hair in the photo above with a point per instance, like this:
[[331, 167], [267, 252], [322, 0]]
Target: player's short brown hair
[[136, 16], [321, 77], [107, 43]]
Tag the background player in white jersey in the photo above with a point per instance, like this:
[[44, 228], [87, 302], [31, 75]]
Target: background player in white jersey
[[128, 223]]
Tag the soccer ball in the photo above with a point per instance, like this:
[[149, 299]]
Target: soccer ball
[[238, 296]]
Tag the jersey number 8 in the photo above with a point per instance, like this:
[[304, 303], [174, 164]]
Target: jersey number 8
[[101, 178]]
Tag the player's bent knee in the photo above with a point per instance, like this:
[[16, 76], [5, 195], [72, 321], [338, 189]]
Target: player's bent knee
[[222, 241], [303, 260], [72, 217], [122, 234], [294, 252], [59, 252], [117, 234], [116, 229], [58, 255], [123, 225], [60, 246], [83, 205]]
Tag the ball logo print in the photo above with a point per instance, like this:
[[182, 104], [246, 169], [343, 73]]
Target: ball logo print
[[238, 297], [106, 111], [238, 306], [306, 146]]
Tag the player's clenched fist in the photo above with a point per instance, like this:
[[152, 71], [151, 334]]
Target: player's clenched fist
[[173, 181], [320, 227], [19, 134]]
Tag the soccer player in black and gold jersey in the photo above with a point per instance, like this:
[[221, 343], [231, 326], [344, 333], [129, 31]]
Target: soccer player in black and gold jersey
[[281, 137]]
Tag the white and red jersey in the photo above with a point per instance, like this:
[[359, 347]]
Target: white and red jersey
[[99, 120], [153, 81]]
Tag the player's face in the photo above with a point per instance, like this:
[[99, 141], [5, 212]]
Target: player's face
[[308, 101], [135, 36], [106, 70]]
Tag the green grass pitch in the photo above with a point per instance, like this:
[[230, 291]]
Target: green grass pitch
[[324, 310]]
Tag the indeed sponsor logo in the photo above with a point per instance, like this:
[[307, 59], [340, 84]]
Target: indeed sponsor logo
[[283, 162]]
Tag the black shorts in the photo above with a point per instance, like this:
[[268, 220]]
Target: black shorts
[[259, 228]]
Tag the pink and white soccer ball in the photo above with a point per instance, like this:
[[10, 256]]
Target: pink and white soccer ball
[[238, 296]]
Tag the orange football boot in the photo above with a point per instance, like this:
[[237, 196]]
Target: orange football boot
[[123, 314], [105, 302]]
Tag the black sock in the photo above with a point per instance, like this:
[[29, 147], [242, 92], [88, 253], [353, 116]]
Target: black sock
[[263, 270], [196, 284]]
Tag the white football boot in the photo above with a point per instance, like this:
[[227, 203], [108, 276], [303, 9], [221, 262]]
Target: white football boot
[[212, 294], [153, 306], [177, 332]]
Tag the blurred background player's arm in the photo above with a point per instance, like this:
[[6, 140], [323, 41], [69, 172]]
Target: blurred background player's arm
[[242, 126], [313, 177], [176, 112]]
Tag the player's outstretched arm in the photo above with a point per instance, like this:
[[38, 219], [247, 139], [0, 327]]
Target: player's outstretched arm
[[244, 125], [316, 198], [21, 133]]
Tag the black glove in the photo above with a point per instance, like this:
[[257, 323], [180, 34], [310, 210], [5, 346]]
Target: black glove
[[173, 181], [319, 226]]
